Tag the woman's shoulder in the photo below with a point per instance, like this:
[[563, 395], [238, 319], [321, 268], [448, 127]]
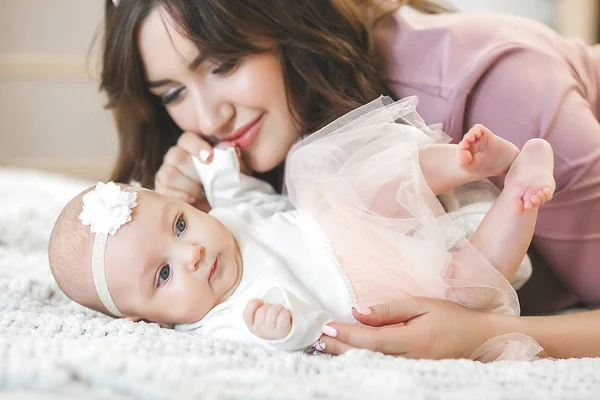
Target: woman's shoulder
[[486, 26], [440, 49], [441, 58]]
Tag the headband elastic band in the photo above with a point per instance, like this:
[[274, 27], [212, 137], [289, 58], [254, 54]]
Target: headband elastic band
[[105, 210]]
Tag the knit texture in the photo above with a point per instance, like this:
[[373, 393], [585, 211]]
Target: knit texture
[[51, 348]]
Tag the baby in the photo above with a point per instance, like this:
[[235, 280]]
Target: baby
[[361, 225]]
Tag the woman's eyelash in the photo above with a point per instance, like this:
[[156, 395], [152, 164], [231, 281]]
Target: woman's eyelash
[[223, 68], [170, 96]]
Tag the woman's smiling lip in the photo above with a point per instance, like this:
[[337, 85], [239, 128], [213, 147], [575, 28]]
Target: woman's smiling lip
[[246, 134]]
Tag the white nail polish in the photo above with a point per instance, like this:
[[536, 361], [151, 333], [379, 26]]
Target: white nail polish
[[204, 154], [329, 331]]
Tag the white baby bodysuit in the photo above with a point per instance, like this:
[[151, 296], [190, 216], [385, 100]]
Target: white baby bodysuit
[[286, 259]]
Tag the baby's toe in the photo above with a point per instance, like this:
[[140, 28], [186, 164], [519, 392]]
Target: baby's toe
[[545, 195], [536, 200], [549, 193]]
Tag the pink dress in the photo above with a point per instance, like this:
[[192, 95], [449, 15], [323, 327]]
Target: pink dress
[[522, 80], [361, 181]]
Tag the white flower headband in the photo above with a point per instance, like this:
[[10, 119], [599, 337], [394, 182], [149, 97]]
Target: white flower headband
[[105, 210]]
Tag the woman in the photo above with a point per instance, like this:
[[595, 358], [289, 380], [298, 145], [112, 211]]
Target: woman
[[184, 75]]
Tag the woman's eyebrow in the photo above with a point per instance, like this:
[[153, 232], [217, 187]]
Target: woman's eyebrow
[[200, 58]]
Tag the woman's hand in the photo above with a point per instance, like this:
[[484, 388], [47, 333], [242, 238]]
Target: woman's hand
[[415, 327], [177, 176]]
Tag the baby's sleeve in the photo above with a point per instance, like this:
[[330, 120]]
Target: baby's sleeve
[[226, 186], [307, 320]]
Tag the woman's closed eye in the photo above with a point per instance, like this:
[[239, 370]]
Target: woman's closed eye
[[180, 226], [171, 95], [163, 275]]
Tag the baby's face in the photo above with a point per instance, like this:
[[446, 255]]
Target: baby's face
[[172, 263]]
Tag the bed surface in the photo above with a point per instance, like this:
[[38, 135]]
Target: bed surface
[[51, 348]]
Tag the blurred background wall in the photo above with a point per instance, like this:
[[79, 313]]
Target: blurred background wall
[[569, 17], [51, 114]]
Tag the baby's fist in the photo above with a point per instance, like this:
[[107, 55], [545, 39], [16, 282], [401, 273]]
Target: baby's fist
[[268, 321]]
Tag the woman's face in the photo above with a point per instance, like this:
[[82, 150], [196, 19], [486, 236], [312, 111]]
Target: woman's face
[[244, 103]]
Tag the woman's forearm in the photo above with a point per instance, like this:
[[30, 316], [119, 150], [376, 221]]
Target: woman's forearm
[[573, 335]]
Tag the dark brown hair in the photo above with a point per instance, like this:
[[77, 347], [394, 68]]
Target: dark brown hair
[[329, 62]]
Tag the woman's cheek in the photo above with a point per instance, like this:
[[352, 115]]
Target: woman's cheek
[[181, 118]]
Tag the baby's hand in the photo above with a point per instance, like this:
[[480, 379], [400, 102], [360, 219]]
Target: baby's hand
[[267, 321], [244, 169]]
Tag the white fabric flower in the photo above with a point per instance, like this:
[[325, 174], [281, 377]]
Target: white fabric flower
[[107, 208]]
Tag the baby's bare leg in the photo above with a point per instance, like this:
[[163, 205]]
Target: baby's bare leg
[[507, 229], [480, 154]]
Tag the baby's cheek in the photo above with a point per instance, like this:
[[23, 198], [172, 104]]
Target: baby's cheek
[[183, 309], [203, 300]]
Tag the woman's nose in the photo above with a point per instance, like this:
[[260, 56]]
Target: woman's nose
[[212, 115]]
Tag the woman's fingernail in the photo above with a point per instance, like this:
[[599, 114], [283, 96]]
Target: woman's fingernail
[[363, 310], [204, 155], [329, 331]]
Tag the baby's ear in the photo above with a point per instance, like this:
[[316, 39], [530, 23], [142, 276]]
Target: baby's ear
[[138, 319]]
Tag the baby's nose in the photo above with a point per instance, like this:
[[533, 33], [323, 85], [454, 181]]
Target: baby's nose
[[194, 256]]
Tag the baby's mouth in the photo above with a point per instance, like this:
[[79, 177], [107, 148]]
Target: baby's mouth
[[213, 270]]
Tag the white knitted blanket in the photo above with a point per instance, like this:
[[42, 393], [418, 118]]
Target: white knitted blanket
[[51, 348]]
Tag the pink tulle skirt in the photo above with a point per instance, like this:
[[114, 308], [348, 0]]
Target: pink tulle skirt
[[360, 179]]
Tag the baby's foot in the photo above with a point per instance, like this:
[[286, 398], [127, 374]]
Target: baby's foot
[[482, 152], [530, 180]]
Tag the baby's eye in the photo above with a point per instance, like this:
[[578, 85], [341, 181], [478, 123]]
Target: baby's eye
[[163, 275], [180, 226]]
